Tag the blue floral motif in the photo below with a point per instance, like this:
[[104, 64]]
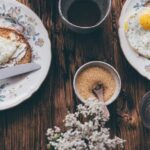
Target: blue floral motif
[[2, 97], [23, 23], [140, 4]]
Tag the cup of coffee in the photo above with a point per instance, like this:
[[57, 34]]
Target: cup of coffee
[[84, 16]]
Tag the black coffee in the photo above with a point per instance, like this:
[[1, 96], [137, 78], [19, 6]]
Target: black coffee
[[84, 13]]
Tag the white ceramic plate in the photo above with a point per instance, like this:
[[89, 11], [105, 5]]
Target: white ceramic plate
[[16, 15], [141, 64]]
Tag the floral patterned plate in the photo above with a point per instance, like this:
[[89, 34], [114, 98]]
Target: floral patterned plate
[[141, 64], [15, 15]]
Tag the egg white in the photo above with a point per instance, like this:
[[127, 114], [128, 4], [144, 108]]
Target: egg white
[[10, 49], [138, 38]]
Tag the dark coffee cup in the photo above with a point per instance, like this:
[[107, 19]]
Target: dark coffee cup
[[104, 7]]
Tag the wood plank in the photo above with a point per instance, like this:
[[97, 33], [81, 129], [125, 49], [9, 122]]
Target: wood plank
[[24, 127]]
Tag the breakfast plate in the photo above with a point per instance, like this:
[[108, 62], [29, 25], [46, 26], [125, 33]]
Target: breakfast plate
[[139, 62], [20, 18]]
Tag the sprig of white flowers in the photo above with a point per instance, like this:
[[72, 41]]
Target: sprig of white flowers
[[84, 130]]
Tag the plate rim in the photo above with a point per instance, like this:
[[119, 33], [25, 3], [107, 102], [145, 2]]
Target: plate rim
[[35, 89], [121, 44]]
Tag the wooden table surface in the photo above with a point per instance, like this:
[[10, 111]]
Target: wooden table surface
[[24, 127]]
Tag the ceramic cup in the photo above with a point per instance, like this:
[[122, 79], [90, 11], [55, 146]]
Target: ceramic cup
[[64, 5], [106, 66], [145, 110]]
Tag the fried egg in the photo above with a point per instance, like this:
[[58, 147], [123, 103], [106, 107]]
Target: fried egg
[[10, 49], [137, 30]]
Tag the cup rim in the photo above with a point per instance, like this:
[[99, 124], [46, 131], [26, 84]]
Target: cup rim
[[102, 63], [85, 27]]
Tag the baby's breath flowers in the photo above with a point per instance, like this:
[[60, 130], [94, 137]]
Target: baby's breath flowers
[[84, 130]]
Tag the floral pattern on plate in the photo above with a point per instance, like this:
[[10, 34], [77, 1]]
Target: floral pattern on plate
[[140, 4], [2, 97], [17, 16], [12, 17]]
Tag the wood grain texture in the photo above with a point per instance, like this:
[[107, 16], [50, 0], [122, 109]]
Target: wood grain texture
[[24, 127]]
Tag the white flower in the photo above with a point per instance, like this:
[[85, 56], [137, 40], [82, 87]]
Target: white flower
[[57, 129], [84, 130]]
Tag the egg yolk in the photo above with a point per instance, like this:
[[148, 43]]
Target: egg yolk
[[145, 21]]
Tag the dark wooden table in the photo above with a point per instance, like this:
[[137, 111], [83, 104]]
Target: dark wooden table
[[24, 127]]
